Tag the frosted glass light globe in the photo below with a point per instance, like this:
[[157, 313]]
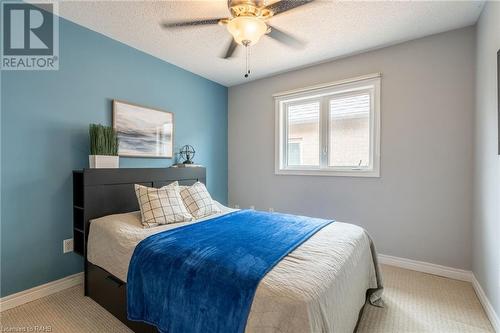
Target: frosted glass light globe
[[246, 29]]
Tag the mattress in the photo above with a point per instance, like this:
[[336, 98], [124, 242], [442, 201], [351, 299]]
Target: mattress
[[319, 287]]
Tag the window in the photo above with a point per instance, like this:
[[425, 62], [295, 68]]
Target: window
[[332, 129], [294, 153], [303, 134]]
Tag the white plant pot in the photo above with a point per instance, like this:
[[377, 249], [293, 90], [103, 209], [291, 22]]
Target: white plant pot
[[103, 162]]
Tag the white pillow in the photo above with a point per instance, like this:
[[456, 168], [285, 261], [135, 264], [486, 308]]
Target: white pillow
[[161, 205], [198, 201]]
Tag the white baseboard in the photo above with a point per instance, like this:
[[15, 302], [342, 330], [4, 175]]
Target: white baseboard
[[426, 267], [488, 308], [22, 297]]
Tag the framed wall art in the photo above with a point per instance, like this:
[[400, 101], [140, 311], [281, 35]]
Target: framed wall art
[[143, 131]]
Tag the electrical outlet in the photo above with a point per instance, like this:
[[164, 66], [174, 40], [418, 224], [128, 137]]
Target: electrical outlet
[[237, 206], [252, 207], [68, 245]]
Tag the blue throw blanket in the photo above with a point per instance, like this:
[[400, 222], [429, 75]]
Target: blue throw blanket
[[202, 277]]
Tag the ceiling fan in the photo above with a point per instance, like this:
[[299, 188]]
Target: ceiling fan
[[248, 23]]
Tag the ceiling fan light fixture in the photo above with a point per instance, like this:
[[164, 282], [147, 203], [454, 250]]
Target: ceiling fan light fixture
[[247, 30]]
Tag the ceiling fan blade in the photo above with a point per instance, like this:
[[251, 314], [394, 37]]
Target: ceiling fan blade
[[191, 23], [285, 38], [230, 49], [286, 5]]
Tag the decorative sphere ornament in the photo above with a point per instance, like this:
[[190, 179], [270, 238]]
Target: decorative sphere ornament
[[187, 154]]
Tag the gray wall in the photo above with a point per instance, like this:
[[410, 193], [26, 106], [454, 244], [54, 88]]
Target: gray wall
[[486, 225], [421, 206]]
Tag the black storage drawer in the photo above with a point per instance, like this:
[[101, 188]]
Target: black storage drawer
[[111, 293]]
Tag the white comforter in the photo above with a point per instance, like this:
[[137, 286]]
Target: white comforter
[[319, 287]]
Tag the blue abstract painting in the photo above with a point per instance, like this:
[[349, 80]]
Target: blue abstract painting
[[142, 131]]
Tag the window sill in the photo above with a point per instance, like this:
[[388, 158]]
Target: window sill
[[329, 173]]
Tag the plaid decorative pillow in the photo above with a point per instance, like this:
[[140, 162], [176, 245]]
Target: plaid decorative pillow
[[198, 201], [161, 205]]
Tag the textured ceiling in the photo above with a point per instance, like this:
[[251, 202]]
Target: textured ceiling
[[331, 29]]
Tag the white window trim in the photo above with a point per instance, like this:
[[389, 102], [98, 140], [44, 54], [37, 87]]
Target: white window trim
[[319, 91]]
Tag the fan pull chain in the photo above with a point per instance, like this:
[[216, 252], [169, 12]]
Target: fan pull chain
[[247, 59], [248, 66]]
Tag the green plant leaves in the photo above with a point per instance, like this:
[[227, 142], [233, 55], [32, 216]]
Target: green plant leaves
[[103, 140]]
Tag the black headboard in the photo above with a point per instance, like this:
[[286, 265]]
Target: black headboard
[[101, 192]]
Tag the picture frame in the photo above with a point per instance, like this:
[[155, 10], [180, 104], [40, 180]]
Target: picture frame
[[143, 131]]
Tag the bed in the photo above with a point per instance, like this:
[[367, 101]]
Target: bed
[[321, 286]]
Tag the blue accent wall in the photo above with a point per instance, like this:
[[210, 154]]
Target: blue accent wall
[[44, 136]]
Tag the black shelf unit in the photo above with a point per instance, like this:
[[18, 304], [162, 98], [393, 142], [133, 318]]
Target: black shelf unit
[[78, 213]]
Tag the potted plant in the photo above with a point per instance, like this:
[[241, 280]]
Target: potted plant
[[103, 147]]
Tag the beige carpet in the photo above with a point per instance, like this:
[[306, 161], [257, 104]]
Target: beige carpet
[[415, 302], [418, 302]]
